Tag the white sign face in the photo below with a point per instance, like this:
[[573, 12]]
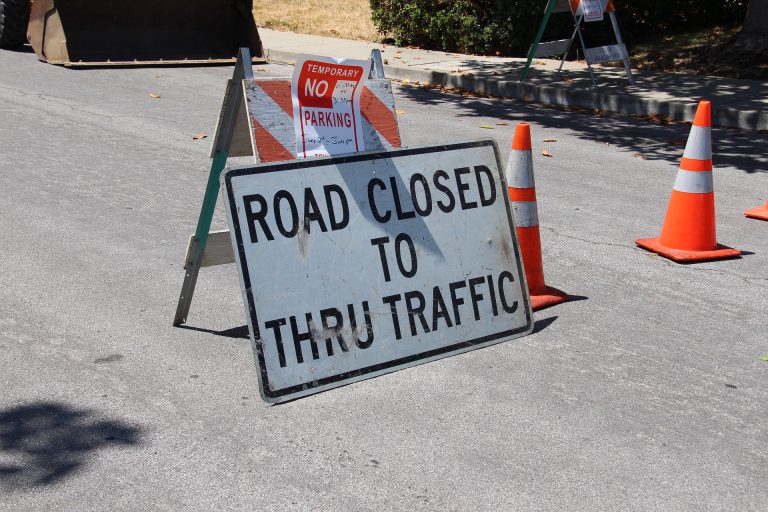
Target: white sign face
[[592, 10], [608, 53], [356, 266], [325, 93]]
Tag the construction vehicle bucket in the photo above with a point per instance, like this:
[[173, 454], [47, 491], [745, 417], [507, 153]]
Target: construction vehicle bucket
[[121, 32]]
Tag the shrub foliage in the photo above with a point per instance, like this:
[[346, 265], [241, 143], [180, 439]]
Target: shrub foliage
[[507, 27]]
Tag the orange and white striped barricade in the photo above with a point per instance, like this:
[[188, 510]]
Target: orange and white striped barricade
[[256, 119], [688, 232]]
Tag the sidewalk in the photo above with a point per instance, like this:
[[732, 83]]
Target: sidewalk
[[736, 103]]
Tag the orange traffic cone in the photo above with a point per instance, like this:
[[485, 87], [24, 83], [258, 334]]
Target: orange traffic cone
[[522, 194], [761, 212], [688, 233]]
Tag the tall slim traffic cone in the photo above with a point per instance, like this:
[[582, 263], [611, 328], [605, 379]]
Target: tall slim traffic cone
[[761, 212], [522, 194], [688, 233]]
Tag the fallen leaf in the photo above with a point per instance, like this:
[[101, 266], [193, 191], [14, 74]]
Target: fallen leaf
[[546, 153], [487, 126], [386, 61], [764, 358], [502, 123], [549, 140], [397, 57], [406, 81], [400, 112], [262, 70], [153, 95], [398, 51], [201, 135], [638, 155]]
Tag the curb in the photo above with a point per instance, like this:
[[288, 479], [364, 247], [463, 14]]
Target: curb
[[726, 117]]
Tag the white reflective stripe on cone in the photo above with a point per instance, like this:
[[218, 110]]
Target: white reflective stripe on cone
[[694, 182], [699, 145], [520, 169], [526, 214]]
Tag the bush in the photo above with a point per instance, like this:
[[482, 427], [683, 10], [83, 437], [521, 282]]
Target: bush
[[508, 27], [466, 26]]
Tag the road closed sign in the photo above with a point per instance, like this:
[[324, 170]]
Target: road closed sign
[[359, 265]]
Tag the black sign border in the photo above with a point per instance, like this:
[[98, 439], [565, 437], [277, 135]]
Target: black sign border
[[280, 395]]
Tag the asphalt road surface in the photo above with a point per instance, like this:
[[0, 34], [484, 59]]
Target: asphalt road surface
[[646, 392]]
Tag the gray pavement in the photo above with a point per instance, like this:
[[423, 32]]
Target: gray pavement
[[646, 392], [739, 104]]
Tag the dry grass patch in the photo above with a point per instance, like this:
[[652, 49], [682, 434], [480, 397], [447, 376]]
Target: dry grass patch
[[350, 19]]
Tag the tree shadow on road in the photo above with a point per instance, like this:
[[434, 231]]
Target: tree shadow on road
[[50, 441], [659, 140]]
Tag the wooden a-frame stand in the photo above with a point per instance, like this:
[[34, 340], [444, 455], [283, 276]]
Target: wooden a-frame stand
[[562, 47], [232, 138]]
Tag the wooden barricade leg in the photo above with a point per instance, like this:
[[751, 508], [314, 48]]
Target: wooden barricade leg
[[535, 45], [620, 41], [233, 100], [377, 65], [577, 21], [562, 60]]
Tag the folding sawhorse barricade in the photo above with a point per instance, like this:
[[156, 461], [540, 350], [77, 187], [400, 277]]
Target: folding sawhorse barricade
[[257, 119], [582, 11]]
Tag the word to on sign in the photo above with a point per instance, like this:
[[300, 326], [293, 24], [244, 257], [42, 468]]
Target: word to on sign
[[360, 265], [325, 94]]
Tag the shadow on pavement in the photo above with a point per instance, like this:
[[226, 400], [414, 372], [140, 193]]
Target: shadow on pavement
[[650, 141], [542, 324], [234, 332], [50, 441]]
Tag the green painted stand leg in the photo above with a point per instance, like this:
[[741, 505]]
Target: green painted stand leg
[[201, 238], [535, 45], [233, 100]]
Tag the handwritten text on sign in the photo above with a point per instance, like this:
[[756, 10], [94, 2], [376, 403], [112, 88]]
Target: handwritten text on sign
[[325, 93], [592, 9], [356, 266]]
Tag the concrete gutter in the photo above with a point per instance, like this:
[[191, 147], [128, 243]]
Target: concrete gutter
[[741, 104]]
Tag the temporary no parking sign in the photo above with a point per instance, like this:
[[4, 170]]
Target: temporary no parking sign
[[360, 265]]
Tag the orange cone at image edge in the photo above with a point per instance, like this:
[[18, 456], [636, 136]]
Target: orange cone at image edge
[[688, 233], [761, 212], [522, 195]]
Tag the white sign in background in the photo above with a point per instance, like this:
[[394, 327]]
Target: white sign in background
[[362, 265], [592, 9], [609, 53], [325, 93]]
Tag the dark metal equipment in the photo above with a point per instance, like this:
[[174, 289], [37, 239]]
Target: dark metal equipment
[[119, 32]]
